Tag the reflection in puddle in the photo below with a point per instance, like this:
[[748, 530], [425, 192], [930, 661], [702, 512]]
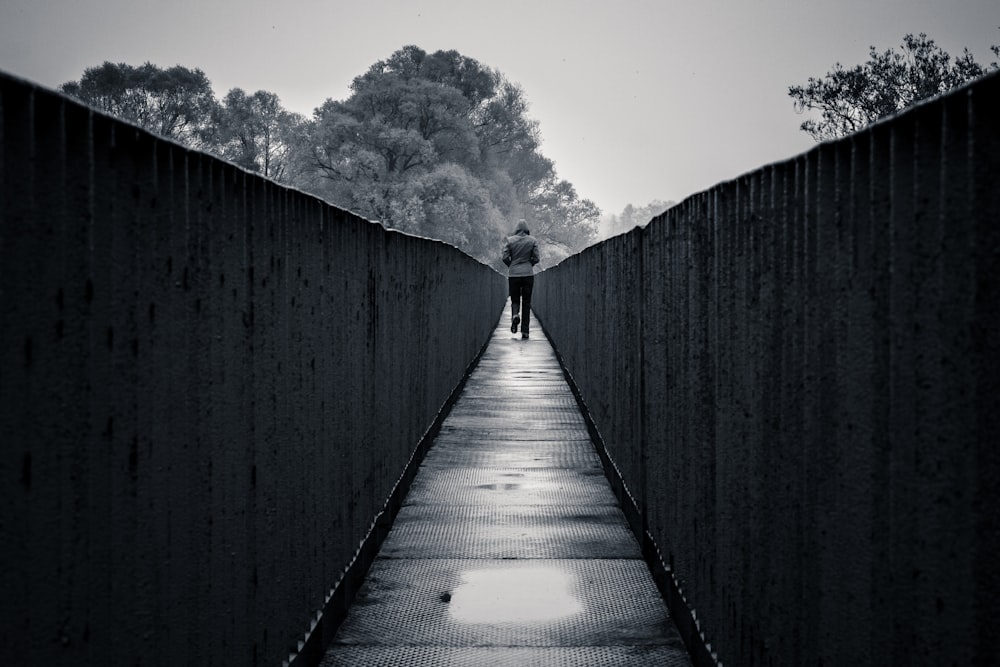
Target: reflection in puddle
[[505, 595]]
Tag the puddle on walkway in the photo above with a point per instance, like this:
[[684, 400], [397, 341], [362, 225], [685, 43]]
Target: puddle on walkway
[[500, 487], [513, 595]]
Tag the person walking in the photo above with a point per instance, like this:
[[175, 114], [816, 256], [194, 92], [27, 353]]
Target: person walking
[[520, 254]]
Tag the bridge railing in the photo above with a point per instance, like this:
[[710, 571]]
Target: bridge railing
[[210, 386], [796, 376]]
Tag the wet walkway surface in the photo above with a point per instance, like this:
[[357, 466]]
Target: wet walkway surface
[[510, 548]]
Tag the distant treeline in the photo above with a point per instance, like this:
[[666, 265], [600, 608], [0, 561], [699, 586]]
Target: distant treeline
[[436, 144]]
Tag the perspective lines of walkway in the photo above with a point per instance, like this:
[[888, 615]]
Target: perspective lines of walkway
[[510, 548]]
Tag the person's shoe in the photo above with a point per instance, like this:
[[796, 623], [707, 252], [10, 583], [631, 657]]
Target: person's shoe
[[514, 322], [524, 336]]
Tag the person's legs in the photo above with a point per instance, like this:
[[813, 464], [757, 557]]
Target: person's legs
[[526, 287], [515, 303]]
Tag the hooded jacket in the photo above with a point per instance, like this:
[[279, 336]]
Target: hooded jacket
[[520, 252]]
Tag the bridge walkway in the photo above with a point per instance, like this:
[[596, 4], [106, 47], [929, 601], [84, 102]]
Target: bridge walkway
[[510, 548]]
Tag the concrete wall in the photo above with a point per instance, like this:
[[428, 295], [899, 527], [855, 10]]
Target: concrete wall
[[210, 386], [796, 375]]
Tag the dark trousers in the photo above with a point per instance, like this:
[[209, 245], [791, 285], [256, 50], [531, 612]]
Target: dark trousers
[[520, 295]]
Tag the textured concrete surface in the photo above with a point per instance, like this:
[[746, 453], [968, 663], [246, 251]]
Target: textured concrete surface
[[797, 373], [510, 548], [209, 385]]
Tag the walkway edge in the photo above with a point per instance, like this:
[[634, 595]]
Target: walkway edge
[[323, 628], [683, 616]]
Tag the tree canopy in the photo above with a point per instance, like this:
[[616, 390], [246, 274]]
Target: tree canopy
[[176, 103], [850, 99], [255, 132], [440, 145]]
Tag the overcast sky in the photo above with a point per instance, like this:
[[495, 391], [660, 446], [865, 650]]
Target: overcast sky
[[636, 99]]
